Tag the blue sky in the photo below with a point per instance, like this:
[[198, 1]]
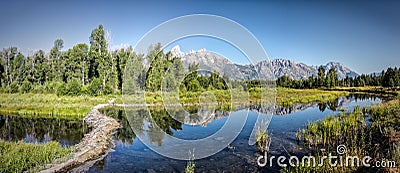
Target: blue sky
[[363, 35]]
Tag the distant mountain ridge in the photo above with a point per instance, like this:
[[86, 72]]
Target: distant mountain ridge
[[267, 69]]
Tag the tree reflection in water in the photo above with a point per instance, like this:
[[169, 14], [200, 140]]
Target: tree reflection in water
[[40, 130], [162, 121]]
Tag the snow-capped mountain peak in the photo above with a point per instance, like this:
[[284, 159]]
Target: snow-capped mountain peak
[[176, 51]]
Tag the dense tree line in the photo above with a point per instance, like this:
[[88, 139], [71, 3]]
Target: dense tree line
[[388, 78], [203, 81], [95, 69], [91, 69]]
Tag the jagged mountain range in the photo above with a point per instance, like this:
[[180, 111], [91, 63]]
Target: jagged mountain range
[[267, 69]]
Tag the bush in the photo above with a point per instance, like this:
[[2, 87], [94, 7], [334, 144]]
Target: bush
[[36, 89], [26, 87], [62, 90], [14, 87], [220, 86], [84, 90], [51, 87], [182, 87], [95, 88], [193, 85], [72, 88], [108, 89]]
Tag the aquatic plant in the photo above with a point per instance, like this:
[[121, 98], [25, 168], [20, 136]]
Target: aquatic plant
[[263, 140], [298, 136], [190, 166]]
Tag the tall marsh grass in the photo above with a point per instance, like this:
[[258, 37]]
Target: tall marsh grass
[[380, 139], [263, 139], [21, 157]]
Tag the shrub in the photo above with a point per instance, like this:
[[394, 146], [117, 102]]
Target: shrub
[[263, 140], [193, 85], [26, 87], [95, 88], [51, 87], [37, 89], [74, 87], [108, 89], [62, 90], [14, 87], [84, 90]]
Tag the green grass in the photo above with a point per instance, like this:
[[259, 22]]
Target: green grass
[[50, 105], [368, 89], [284, 96], [20, 156], [287, 96], [333, 130]]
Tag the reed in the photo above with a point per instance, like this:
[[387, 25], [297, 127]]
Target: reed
[[298, 136], [263, 139], [190, 166]]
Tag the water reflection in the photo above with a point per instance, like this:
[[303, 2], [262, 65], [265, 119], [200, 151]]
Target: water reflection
[[201, 117], [340, 103], [287, 120], [41, 130]]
